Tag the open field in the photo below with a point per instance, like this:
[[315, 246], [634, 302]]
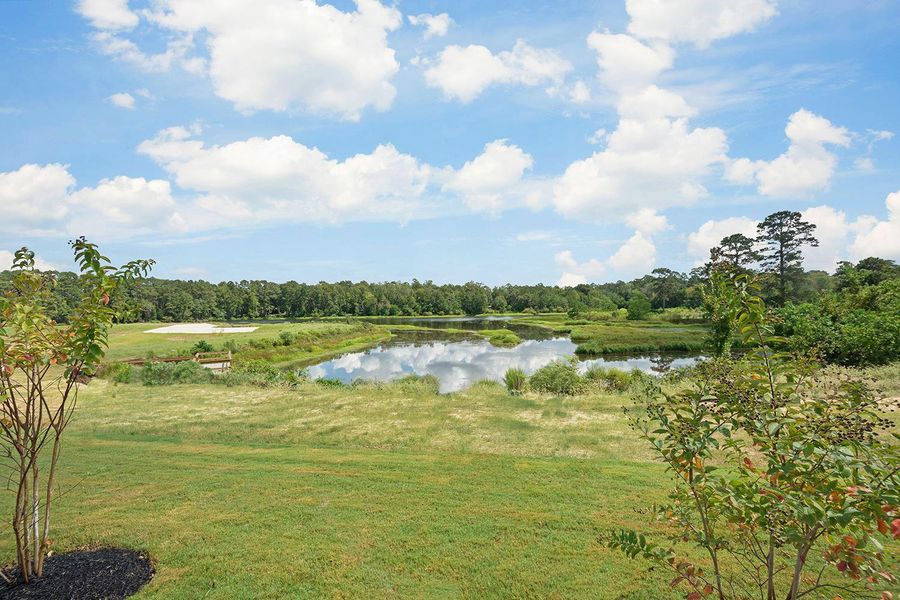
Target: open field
[[373, 490], [376, 491]]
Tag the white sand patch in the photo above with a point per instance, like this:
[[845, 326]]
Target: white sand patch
[[201, 328]]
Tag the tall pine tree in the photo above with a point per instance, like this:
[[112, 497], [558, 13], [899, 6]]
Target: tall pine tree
[[782, 235], [736, 251]]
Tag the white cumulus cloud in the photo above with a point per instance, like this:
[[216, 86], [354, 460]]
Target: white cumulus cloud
[[288, 55], [435, 25], [575, 273], [699, 22], [485, 181], [277, 178], [806, 167], [579, 93], [464, 72], [647, 221], [122, 100], [123, 204], [33, 197], [654, 157], [108, 14], [626, 64], [712, 232], [879, 238], [637, 256]]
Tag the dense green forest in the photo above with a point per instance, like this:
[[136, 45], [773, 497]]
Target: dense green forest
[[852, 316], [176, 300]]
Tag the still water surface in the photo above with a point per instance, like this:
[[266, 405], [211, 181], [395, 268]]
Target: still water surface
[[458, 363]]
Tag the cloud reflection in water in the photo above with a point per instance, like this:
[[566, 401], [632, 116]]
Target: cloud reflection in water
[[458, 364]]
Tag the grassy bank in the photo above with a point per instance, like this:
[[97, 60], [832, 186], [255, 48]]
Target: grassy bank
[[281, 343]]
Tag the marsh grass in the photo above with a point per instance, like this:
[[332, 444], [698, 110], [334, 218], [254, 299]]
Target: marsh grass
[[516, 381], [597, 336], [501, 337], [612, 338]]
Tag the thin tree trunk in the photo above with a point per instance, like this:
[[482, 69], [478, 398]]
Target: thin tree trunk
[[35, 517], [18, 522], [26, 528], [50, 477], [770, 570]]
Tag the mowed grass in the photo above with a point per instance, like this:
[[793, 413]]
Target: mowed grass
[[366, 491], [313, 339]]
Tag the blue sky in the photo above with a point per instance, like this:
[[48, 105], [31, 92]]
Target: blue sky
[[502, 142]]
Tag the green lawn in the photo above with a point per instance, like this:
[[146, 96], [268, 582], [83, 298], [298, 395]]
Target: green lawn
[[368, 491]]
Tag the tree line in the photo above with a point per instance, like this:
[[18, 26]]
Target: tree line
[[775, 255]]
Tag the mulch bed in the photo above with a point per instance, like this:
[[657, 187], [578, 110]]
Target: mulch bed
[[101, 574]]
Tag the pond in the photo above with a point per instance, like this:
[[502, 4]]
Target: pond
[[458, 363]]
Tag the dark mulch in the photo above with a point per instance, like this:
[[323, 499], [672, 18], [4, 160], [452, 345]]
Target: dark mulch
[[102, 574]]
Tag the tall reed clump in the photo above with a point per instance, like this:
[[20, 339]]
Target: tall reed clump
[[516, 381]]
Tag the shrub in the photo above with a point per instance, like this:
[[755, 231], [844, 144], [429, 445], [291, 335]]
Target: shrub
[[37, 402], [158, 373], [779, 471], [638, 307], [201, 346], [678, 374], [230, 346], [640, 382], [426, 383], [849, 328], [486, 385], [190, 372], [261, 373], [559, 377], [120, 373], [255, 367], [614, 380], [602, 315], [330, 382], [682, 314], [516, 381], [287, 338]]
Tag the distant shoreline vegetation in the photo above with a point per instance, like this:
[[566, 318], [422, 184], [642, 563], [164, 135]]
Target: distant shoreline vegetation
[[173, 300]]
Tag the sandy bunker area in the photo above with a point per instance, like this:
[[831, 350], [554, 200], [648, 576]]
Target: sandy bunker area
[[201, 328]]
